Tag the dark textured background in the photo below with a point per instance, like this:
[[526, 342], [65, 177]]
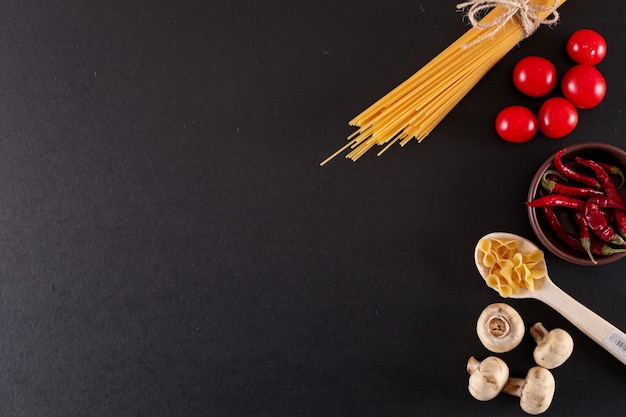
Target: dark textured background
[[170, 245]]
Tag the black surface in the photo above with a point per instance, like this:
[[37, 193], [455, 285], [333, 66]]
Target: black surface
[[171, 247]]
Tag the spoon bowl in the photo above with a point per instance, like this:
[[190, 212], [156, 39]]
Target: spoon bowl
[[525, 246], [598, 329]]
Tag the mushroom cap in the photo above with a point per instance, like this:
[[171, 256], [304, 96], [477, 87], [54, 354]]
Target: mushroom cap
[[500, 328], [487, 378], [554, 349], [538, 390]]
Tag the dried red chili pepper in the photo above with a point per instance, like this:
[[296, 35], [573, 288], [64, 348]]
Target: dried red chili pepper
[[559, 230], [584, 236], [614, 170], [600, 225], [601, 248], [611, 169], [573, 175], [596, 247], [554, 200], [608, 213], [605, 202], [554, 187], [609, 188], [603, 177]]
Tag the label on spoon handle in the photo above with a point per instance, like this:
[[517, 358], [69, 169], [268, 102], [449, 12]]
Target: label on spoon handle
[[616, 342]]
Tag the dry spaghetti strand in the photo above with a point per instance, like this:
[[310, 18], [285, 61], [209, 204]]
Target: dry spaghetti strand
[[414, 108]]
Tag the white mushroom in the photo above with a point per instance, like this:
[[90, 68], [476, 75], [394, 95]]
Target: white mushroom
[[500, 328], [535, 392], [487, 378], [554, 347]]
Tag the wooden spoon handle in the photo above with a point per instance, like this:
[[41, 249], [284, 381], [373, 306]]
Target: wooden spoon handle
[[598, 329]]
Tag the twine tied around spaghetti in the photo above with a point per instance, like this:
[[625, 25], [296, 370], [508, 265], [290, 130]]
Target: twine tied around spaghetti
[[527, 14]]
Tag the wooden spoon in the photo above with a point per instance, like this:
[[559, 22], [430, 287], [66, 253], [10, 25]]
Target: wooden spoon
[[598, 329]]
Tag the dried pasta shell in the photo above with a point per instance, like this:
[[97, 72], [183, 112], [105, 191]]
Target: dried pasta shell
[[509, 269]]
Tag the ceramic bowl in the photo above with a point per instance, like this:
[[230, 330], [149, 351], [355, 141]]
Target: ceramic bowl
[[600, 152]]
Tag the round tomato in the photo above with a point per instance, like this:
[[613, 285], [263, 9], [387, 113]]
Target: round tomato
[[584, 86], [586, 46], [516, 124], [534, 76], [557, 117]]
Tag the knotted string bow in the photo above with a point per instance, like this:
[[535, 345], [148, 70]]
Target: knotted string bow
[[527, 14]]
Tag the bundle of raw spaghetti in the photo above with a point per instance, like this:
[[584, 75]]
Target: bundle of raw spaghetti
[[415, 107]]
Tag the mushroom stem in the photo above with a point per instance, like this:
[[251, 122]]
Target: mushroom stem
[[538, 332], [514, 386], [472, 364]]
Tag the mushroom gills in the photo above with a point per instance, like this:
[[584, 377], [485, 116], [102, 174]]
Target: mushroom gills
[[500, 328]]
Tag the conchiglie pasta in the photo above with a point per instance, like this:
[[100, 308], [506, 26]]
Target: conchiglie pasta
[[510, 270]]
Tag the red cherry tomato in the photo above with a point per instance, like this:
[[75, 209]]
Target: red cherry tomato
[[586, 46], [584, 86], [557, 117], [534, 76], [516, 124]]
